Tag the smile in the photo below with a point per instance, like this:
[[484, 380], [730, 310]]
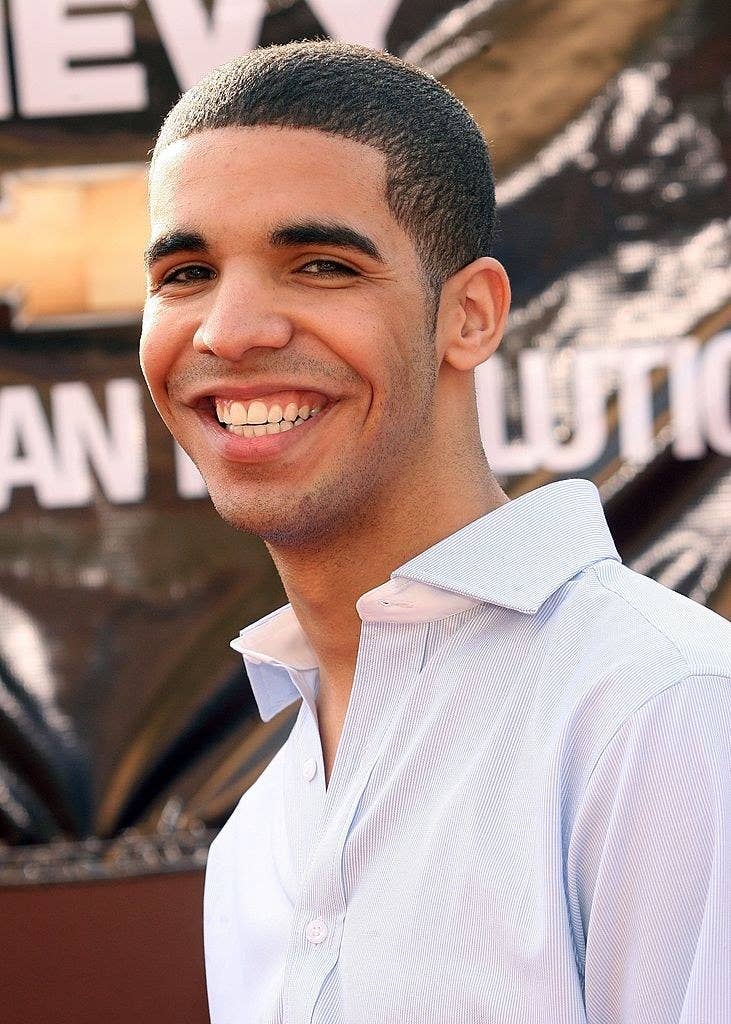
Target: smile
[[266, 415]]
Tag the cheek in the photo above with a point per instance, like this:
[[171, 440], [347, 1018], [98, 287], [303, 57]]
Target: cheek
[[371, 341], [160, 341]]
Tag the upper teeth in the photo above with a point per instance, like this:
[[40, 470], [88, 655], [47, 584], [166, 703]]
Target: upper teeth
[[261, 418]]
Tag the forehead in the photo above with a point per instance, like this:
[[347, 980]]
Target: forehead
[[260, 175]]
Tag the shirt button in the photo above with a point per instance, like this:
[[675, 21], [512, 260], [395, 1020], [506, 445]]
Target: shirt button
[[309, 768], [316, 931]]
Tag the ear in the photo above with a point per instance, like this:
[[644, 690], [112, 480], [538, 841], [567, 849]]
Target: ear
[[472, 313]]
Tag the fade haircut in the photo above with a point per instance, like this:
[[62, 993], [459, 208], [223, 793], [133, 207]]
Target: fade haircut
[[440, 186]]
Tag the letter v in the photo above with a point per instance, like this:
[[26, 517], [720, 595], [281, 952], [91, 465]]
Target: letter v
[[196, 42], [353, 21]]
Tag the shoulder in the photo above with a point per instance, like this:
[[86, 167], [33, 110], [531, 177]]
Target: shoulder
[[623, 638], [629, 649], [700, 637], [687, 725]]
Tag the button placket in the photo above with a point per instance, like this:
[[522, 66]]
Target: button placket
[[304, 799], [391, 660], [321, 916]]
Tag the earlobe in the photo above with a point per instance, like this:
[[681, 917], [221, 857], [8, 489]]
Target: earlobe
[[475, 302]]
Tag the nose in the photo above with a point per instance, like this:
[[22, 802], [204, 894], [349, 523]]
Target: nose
[[241, 316]]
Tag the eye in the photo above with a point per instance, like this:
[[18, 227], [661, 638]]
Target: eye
[[193, 273], [327, 268]]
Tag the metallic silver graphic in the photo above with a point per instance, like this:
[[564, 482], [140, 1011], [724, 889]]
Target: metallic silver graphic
[[127, 730]]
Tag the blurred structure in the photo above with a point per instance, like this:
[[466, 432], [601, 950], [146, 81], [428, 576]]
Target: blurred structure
[[127, 729]]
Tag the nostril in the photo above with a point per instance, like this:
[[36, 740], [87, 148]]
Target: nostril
[[200, 342]]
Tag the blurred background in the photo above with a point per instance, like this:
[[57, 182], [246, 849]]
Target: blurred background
[[127, 728]]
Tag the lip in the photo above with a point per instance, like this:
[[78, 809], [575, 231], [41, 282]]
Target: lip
[[253, 449], [245, 393]]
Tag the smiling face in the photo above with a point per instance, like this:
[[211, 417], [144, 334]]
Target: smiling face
[[287, 337]]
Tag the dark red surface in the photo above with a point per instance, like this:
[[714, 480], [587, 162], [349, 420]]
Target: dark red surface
[[108, 952]]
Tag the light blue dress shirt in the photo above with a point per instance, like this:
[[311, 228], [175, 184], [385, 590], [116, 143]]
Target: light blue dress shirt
[[529, 815]]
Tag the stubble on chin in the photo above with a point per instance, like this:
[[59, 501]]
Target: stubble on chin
[[350, 495], [312, 520]]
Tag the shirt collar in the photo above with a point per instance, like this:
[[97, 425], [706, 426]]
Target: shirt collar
[[522, 552], [516, 556]]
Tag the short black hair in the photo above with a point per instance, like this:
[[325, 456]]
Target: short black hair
[[440, 186]]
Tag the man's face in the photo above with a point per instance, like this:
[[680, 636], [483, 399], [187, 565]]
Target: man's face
[[280, 284]]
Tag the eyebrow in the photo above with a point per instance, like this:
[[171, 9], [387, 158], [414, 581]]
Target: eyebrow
[[315, 232], [173, 242]]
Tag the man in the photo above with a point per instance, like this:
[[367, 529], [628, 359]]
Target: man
[[505, 795]]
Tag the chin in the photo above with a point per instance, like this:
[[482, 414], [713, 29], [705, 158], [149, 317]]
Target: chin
[[309, 522], [242, 515], [295, 526]]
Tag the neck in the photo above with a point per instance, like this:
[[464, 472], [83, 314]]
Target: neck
[[324, 583]]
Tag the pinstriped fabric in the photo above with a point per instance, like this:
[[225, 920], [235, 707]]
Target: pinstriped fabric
[[529, 816]]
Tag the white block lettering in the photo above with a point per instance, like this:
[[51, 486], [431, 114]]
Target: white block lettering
[[589, 435], [688, 441], [46, 37], [115, 451], [716, 374], [196, 42], [356, 22], [190, 484], [636, 435], [6, 99], [27, 458]]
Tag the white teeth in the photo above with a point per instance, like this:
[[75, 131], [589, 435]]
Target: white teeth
[[258, 413], [259, 420], [237, 413]]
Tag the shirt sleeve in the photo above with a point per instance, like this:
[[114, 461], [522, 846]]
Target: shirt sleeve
[[649, 863]]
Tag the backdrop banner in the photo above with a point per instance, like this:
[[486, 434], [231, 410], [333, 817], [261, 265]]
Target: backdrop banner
[[127, 729]]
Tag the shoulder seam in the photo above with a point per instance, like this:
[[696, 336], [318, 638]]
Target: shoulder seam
[[652, 625], [651, 698]]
